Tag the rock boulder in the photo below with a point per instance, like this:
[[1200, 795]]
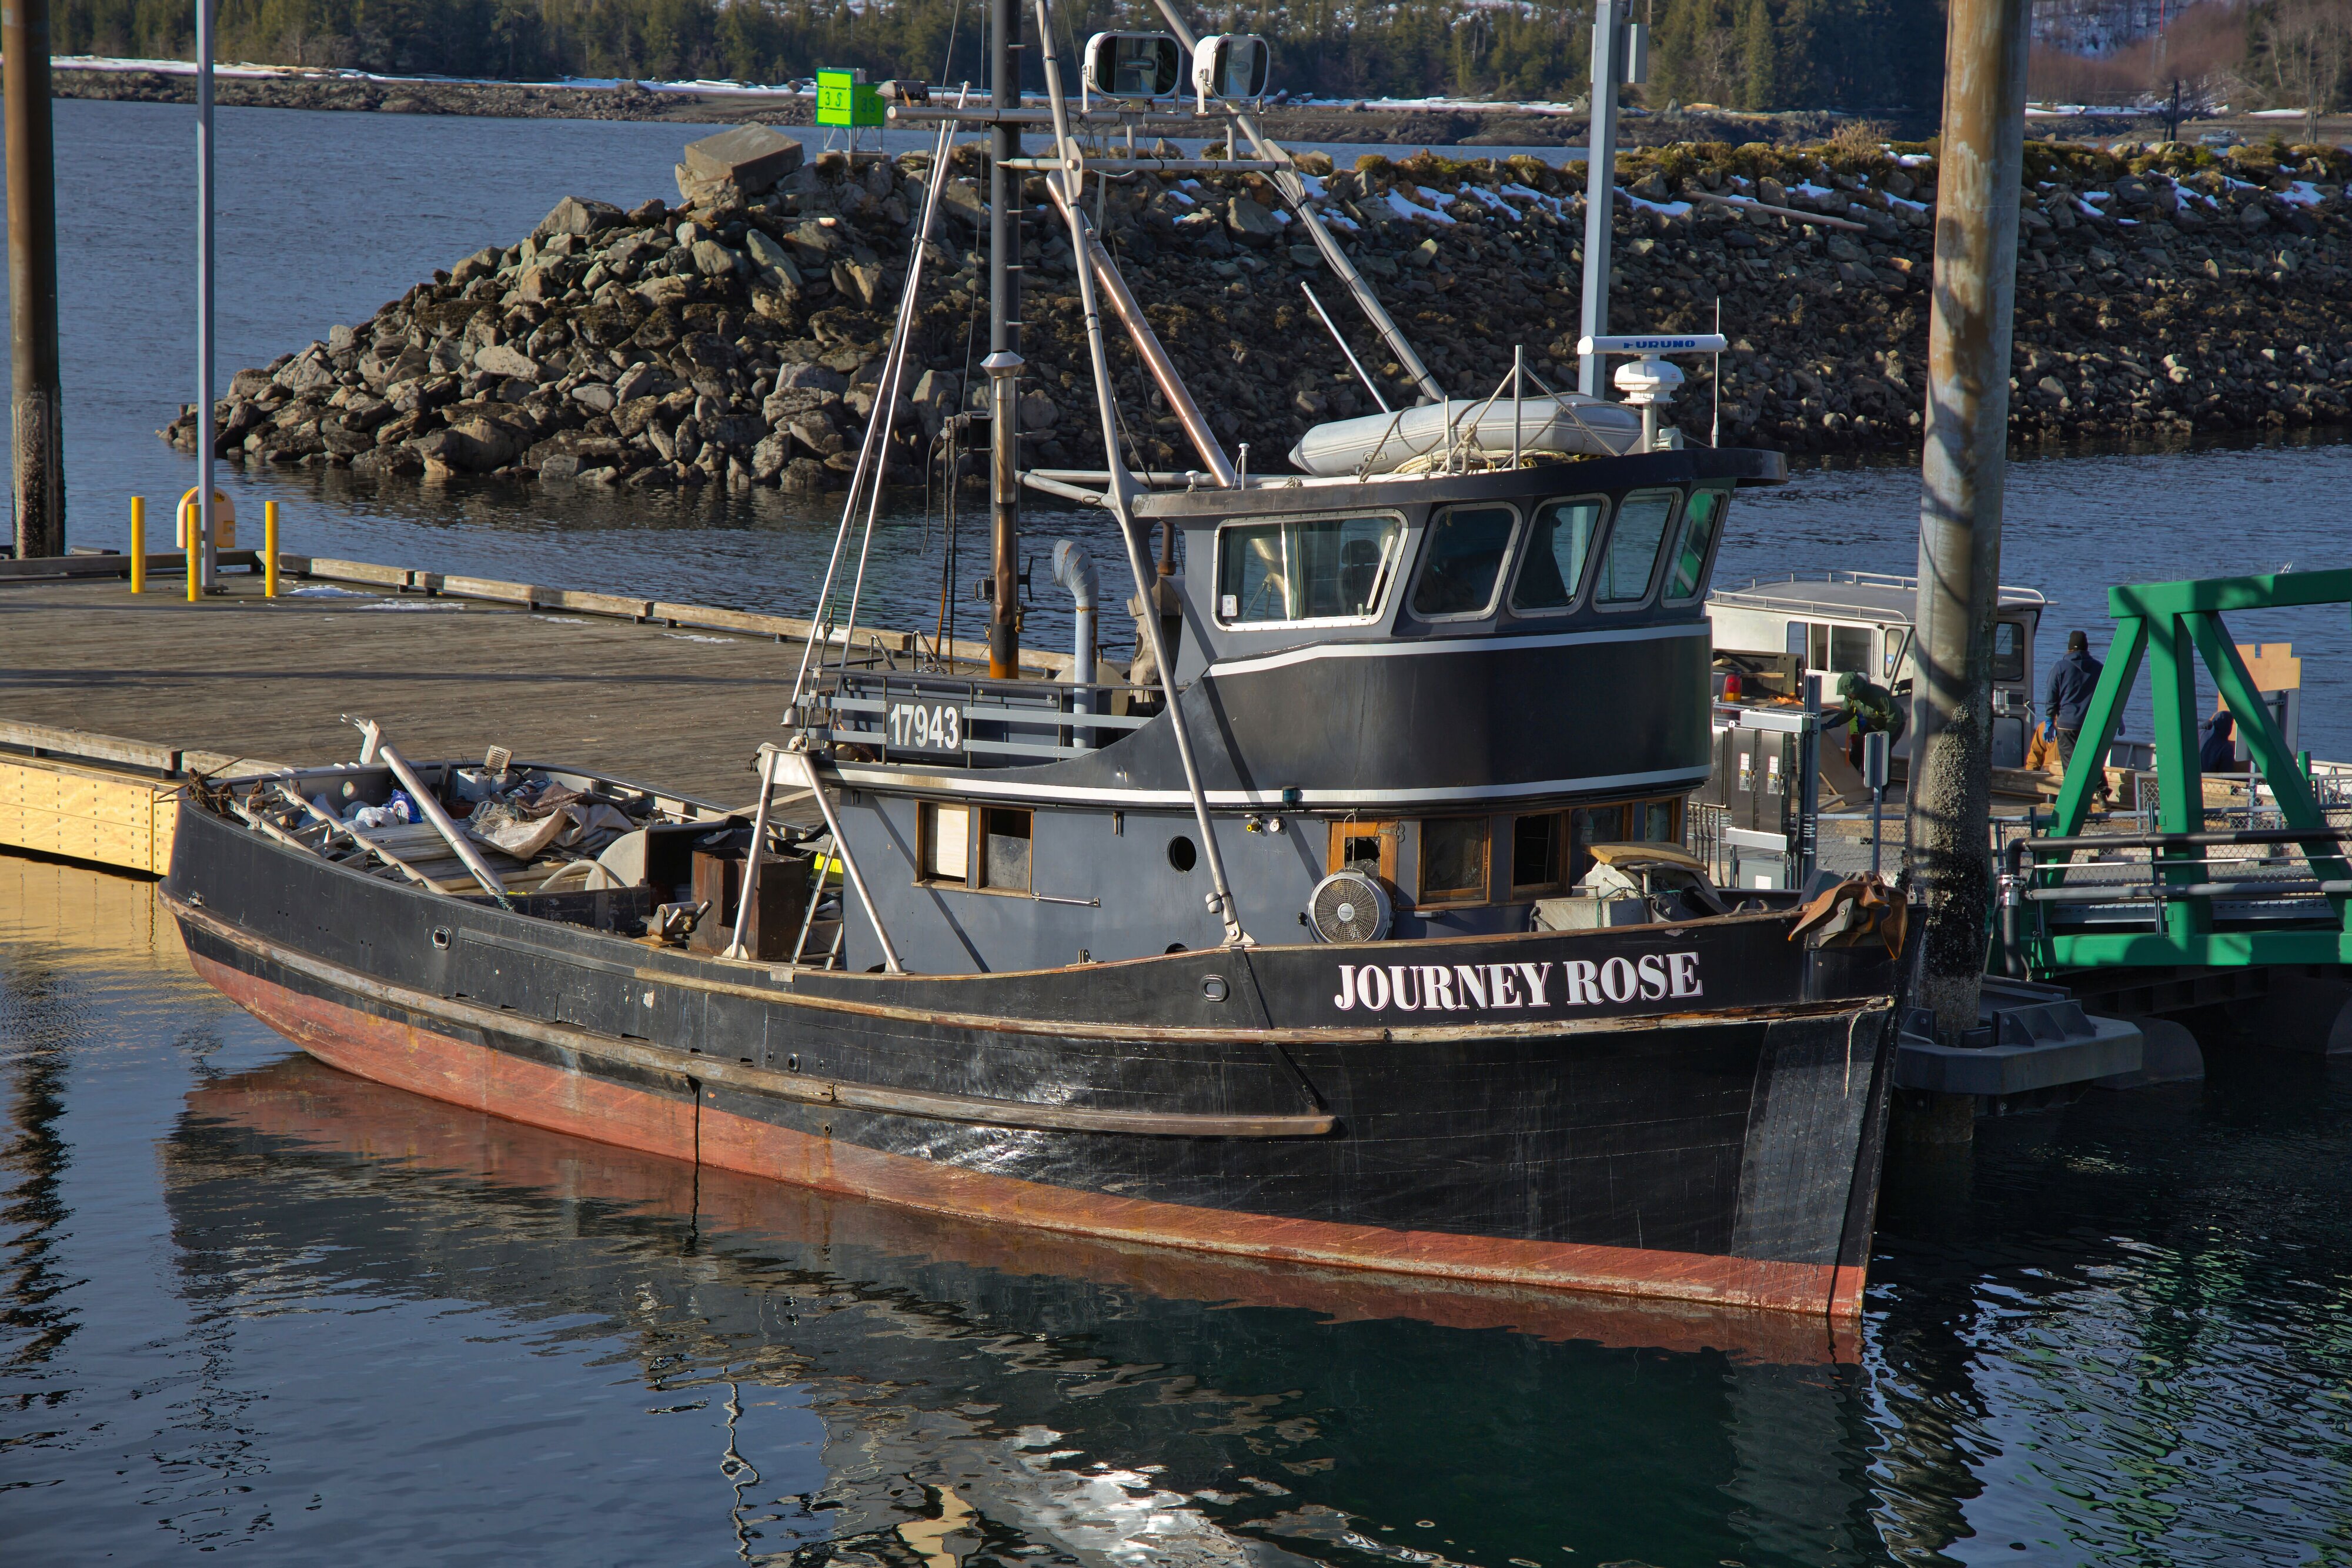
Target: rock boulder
[[1251, 223], [754, 157], [577, 215], [505, 360]]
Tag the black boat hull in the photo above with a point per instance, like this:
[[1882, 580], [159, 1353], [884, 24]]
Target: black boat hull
[[1672, 1119]]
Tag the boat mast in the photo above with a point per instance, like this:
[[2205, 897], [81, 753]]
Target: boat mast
[[1004, 363], [1600, 187]]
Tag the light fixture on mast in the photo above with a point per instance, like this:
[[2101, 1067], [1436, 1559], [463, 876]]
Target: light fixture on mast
[[1231, 67], [1137, 66]]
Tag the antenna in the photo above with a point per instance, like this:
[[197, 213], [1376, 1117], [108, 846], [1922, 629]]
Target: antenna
[[1352, 361], [1714, 425]]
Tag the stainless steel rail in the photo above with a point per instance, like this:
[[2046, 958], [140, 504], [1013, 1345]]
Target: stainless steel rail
[[2155, 889]]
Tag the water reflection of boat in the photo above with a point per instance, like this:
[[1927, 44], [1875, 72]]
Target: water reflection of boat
[[320, 1107], [897, 1330]]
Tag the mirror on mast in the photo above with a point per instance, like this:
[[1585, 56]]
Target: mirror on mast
[[1230, 67], [1134, 65]]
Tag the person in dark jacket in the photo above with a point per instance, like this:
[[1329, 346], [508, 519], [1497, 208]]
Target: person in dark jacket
[[2073, 679], [2219, 752]]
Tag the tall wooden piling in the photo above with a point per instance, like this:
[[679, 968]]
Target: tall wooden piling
[[37, 464], [1982, 158], [1004, 56]]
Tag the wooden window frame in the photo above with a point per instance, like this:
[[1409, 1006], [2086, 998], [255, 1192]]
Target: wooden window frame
[[926, 819], [1384, 828], [980, 884], [1424, 897]]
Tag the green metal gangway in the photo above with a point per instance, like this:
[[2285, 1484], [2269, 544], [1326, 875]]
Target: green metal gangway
[[2059, 913]]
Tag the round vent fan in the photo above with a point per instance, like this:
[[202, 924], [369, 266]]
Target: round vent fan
[[1348, 907]]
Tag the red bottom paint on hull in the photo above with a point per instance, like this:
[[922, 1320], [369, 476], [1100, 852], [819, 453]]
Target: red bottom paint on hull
[[422, 1062]]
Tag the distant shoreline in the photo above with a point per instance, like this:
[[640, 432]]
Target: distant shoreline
[[1441, 125], [1450, 124]]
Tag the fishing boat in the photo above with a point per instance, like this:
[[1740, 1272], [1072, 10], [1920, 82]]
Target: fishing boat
[[1346, 926]]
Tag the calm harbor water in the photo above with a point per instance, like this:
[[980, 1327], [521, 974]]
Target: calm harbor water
[[251, 1305], [325, 216], [248, 1305]]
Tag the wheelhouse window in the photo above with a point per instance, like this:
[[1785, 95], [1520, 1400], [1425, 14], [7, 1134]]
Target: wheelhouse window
[[2008, 650], [1004, 838], [1536, 844], [943, 843], [1658, 821], [1560, 543], [1629, 559], [1453, 861], [1702, 523], [1463, 562], [1835, 649], [1306, 569]]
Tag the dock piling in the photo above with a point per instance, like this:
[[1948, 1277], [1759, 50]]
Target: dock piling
[[202, 549], [37, 402], [1961, 474]]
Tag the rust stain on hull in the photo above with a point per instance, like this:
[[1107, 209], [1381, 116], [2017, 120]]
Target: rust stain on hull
[[486, 1080]]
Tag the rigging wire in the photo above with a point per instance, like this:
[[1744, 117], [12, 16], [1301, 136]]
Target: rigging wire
[[884, 415], [885, 401], [947, 62]]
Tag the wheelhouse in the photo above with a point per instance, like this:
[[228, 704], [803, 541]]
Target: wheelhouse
[[1835, 621], [1455, 684]]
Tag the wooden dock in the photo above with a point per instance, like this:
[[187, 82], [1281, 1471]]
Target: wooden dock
[[110, 700]]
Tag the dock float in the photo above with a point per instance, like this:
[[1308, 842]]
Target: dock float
[[114, 701]]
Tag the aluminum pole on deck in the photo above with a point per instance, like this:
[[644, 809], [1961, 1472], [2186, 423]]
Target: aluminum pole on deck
[[36, 403], [1600, 187], [1961, 472], [1005, 340]]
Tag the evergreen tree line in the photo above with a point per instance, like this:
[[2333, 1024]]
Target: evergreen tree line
[[1750, 54]]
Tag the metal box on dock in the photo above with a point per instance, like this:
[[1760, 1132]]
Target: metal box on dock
[[1767, 780]]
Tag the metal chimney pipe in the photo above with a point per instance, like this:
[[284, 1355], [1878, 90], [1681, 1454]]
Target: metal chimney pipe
[[1074, 570], [1961, 474]]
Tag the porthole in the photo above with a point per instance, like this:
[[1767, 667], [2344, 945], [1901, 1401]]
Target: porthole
[[1182, 854], [441, 937], [1213, 987]]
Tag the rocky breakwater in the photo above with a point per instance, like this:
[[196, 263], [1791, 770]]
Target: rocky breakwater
[[737, 337]]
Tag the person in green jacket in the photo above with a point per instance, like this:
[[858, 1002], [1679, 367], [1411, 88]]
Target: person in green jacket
[[1870, 710]]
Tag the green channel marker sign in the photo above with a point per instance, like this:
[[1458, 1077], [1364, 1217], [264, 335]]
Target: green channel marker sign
[[842, 98]]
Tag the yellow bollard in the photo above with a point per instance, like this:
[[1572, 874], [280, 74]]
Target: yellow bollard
[[195, 567], [269, 549], [138, 544]]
